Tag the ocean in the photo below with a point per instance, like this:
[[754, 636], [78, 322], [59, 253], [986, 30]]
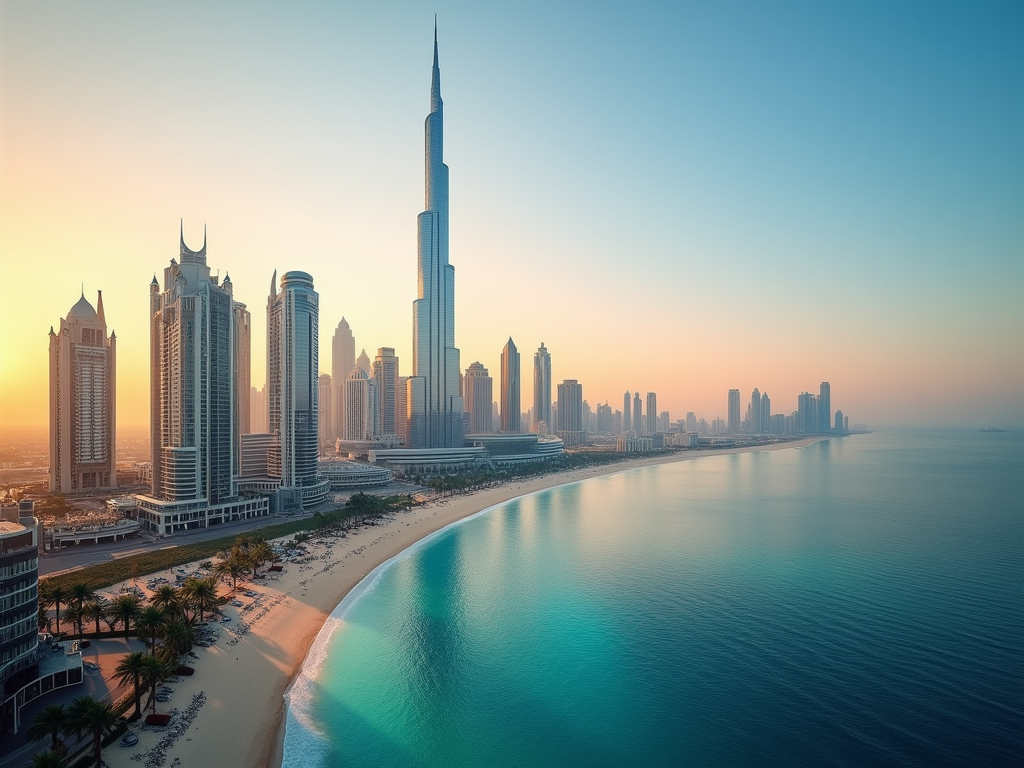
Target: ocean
[[856, 601]]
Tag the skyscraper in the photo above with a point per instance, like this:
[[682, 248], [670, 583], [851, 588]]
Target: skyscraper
[[755, 412], [435, 357], [627, 423], [193, 364], [541, 388], [638, 414], [510, 397], [734, 412], [385, 371], [243, 373], [570, 427], [326, 417], [358, 420], [82, 404], [652, 413], [479, 393], [343, 360], [766, 414], [292, 381], [825, 407], [363, 362]]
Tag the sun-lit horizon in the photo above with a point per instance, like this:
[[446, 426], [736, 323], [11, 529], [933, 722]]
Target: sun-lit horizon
[[677, 201]]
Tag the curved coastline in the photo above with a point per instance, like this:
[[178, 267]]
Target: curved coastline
[[246, 679], [316, 654]]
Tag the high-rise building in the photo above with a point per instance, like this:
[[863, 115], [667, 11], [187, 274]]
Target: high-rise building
[[292, 324], [193, 364], [435, 357], [652, 413], [755, 412], [82, 403], [570, 413], [363, 363], [358, 416], [343, 360], [385, 372], [326, 418], [478, 395], [733, 425], [258, 410], [510, 398], [541, 388], [825, 407], [807, 414], [766, 414], [638, 415], [627, 424], [243, 373]]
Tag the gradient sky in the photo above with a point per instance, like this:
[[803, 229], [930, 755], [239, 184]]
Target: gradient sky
[[682, 197]]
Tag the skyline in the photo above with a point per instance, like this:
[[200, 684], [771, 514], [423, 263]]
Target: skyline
[[868, 235]]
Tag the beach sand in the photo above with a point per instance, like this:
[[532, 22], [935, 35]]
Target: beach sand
[[231, 712]]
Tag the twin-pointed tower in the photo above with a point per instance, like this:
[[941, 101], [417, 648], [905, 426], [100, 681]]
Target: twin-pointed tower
[[432, 395]]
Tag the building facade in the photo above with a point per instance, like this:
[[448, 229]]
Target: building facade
[[385, 373], [734, 423], [343, 360], [570, 428], [541, 389], [510, 395], [435, 358], [82, 401], [652, 412], [478, 396]]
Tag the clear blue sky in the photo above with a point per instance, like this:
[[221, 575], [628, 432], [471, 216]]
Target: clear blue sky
[[680, 197]]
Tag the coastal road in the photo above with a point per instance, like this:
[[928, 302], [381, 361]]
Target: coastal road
[[89, 554]]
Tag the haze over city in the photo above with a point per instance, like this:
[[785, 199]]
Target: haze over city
[[681, 200]]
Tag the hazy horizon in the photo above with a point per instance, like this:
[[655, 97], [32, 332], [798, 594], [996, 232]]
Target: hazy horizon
[[681, 199]]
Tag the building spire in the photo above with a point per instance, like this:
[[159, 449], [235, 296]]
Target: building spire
[[435, 77], [99, 307]]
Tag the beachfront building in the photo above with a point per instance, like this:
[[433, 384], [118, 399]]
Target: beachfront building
[[478, 394], [243, 374], [652, 411], [82, 404], [510, 396], [570, 413], [638, 415], [627, 423], [349, 475], [193, 415], [293, 389], [541, 389], [733, 425], [28, 668], [824, 407]]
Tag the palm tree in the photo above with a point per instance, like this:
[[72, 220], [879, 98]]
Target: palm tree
[[178, 636], [150, 621], [97, 718], [73, 614], [125, 609], [96, 610], [154, 672], [81, 593], [44, 617], [166, 597], [232, 568], [54, 595], [201, 593], [48, 759], [130, 669], [260, 554], [50, 722]]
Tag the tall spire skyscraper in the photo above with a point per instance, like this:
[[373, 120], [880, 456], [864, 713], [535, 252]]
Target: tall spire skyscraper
[[435, 360]]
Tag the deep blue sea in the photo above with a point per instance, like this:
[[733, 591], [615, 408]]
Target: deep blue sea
[[857, 601]]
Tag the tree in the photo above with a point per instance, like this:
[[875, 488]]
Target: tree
[[54, 595], [167, 597], [51, 722], [200, 594], [178, 636], [233, 568], [73, 614], [150, 621], [95, 718], [81, 593], [154, 672], [95, 610], [130, 669], [125, 609], [48, 759]]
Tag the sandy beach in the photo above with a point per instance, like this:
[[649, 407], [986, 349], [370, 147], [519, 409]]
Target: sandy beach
[[231, 712]]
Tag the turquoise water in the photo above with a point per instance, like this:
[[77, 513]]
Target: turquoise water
[[860, 600]]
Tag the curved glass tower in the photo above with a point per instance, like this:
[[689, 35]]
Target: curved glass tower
[[434, 404]]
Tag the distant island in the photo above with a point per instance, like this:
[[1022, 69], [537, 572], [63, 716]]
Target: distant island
[[991, 429]]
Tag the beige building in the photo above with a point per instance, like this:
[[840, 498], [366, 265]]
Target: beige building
[[82, 388]]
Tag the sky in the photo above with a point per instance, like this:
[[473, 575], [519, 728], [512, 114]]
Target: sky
[[679, 197]]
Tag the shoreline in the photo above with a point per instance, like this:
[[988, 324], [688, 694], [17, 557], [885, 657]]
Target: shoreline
[[271, 637]]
